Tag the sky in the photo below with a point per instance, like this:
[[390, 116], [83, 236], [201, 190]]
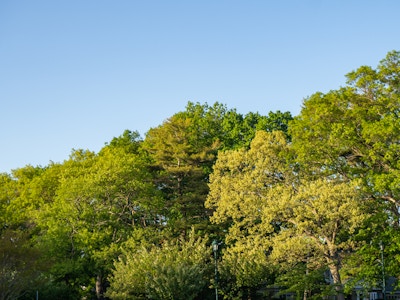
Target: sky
[[75, 74]]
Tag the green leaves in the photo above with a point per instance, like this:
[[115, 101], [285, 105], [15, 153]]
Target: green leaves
[[19, 264], [291, 198], [240, 184], [98, 201], [259, 194], [174, 270]]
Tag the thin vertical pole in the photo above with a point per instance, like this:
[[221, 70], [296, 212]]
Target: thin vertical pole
[[215, 250], [383, 272], [216, 275]]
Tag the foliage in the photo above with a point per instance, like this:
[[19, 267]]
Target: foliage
[[19, 264], [129, 140], [185, 147], [238, 187], [101, 198], [181, 175], [304, 283], [173, 270], [257, 192], [245, 269], [241, 179], [304, 203], [354, 132], [321, 219]]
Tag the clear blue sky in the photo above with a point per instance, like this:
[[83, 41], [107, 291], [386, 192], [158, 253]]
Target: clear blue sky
[[74, 74]]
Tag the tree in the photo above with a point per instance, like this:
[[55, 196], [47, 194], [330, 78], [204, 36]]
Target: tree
[[20, 266], [245, 269], [259, 194], [22, 193], [242, 177], [321, 219], [7, 194], [100, 200], [238, 187], [238, 131], [183, 149], [173, 270], [129, 140], [354, 132]]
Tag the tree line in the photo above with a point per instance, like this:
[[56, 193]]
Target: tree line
[[309, 204]]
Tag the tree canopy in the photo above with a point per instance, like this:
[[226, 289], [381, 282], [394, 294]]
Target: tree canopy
[[306, 205]]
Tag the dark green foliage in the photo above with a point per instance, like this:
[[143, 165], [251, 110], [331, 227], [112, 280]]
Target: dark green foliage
[[185, 147], [304, 283], [129, 140], [20, 267]]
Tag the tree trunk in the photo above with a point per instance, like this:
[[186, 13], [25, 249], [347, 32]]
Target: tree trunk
[[99, 287], [337, 281], [305, 295]]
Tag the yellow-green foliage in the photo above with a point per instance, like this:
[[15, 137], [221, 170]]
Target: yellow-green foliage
[[173, 270]]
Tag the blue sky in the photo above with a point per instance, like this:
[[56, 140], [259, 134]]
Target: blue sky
[[74, 74]]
